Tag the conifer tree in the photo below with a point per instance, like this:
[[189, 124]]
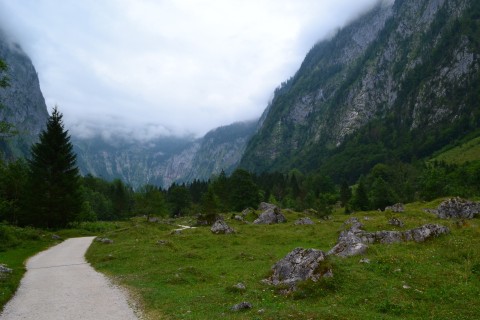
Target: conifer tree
[[54, 180]]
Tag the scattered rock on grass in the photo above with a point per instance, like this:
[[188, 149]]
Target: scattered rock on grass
[[104, 240], [242, 306], [5, 269], [299, 265], [56, 237], [397, 208], [240, 286], [221, 227], [355, 240], [425, 232], [395, 222], [303, 221]]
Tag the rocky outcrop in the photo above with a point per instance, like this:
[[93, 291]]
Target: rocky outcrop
[[22, 101], [271, 214], [355, 240], [221, 227], [299, 265], [458, 208]]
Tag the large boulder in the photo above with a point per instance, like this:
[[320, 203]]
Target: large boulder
[[299, 265], [458, 208], [349, 244], [425, 232], [271, 214], [221, 227]]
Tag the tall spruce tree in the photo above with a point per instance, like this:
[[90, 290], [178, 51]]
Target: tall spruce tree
[[54, 180]]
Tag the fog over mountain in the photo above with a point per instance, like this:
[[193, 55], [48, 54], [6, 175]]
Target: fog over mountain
[[143, 69]]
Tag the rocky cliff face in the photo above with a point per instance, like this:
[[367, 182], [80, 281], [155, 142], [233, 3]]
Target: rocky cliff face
[[412, 65], [167, 160], [22, 101]]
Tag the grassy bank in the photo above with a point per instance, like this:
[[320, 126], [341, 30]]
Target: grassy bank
[[16, 245], [191, 275]]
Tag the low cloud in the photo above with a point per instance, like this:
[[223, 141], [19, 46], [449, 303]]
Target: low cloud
[[150, 68]]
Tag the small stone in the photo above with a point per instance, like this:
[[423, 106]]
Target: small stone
[[240, 286], [104, 240], [365, 260], [406, 286], [242, 306], [304, 221], [56, 237], [163, 242], [395, 222], [5, 269], [261, 311], [396, 208]]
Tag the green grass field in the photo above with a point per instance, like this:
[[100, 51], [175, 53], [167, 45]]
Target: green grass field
[[468, 151], [191, 275]]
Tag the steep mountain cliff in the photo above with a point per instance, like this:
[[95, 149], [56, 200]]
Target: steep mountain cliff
[[398, 83], [22, 102], [166, 160]]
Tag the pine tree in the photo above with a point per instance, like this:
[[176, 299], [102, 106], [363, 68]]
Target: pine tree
[[54, 181]]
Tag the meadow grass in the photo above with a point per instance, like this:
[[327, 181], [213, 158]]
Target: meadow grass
[[191, 275], [16, 246], [468, 151]]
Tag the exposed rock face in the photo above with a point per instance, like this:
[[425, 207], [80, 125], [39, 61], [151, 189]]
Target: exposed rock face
[[355, 241], [390, 62], [299, 265], [304, 221], [458, 208], [221, 227], [271, 214], [24, 105], [165, 160]]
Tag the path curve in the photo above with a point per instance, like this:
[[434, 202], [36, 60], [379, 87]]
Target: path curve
[[60, 284]]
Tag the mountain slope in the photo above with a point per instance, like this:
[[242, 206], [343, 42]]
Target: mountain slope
[[165, 160], [22, 101], [399, 82]]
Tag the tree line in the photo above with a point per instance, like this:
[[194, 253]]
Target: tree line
[[47, 190]]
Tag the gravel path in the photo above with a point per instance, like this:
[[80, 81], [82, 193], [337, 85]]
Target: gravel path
[[60, 284]]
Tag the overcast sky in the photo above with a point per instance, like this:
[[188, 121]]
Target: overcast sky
[[145, 68]]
